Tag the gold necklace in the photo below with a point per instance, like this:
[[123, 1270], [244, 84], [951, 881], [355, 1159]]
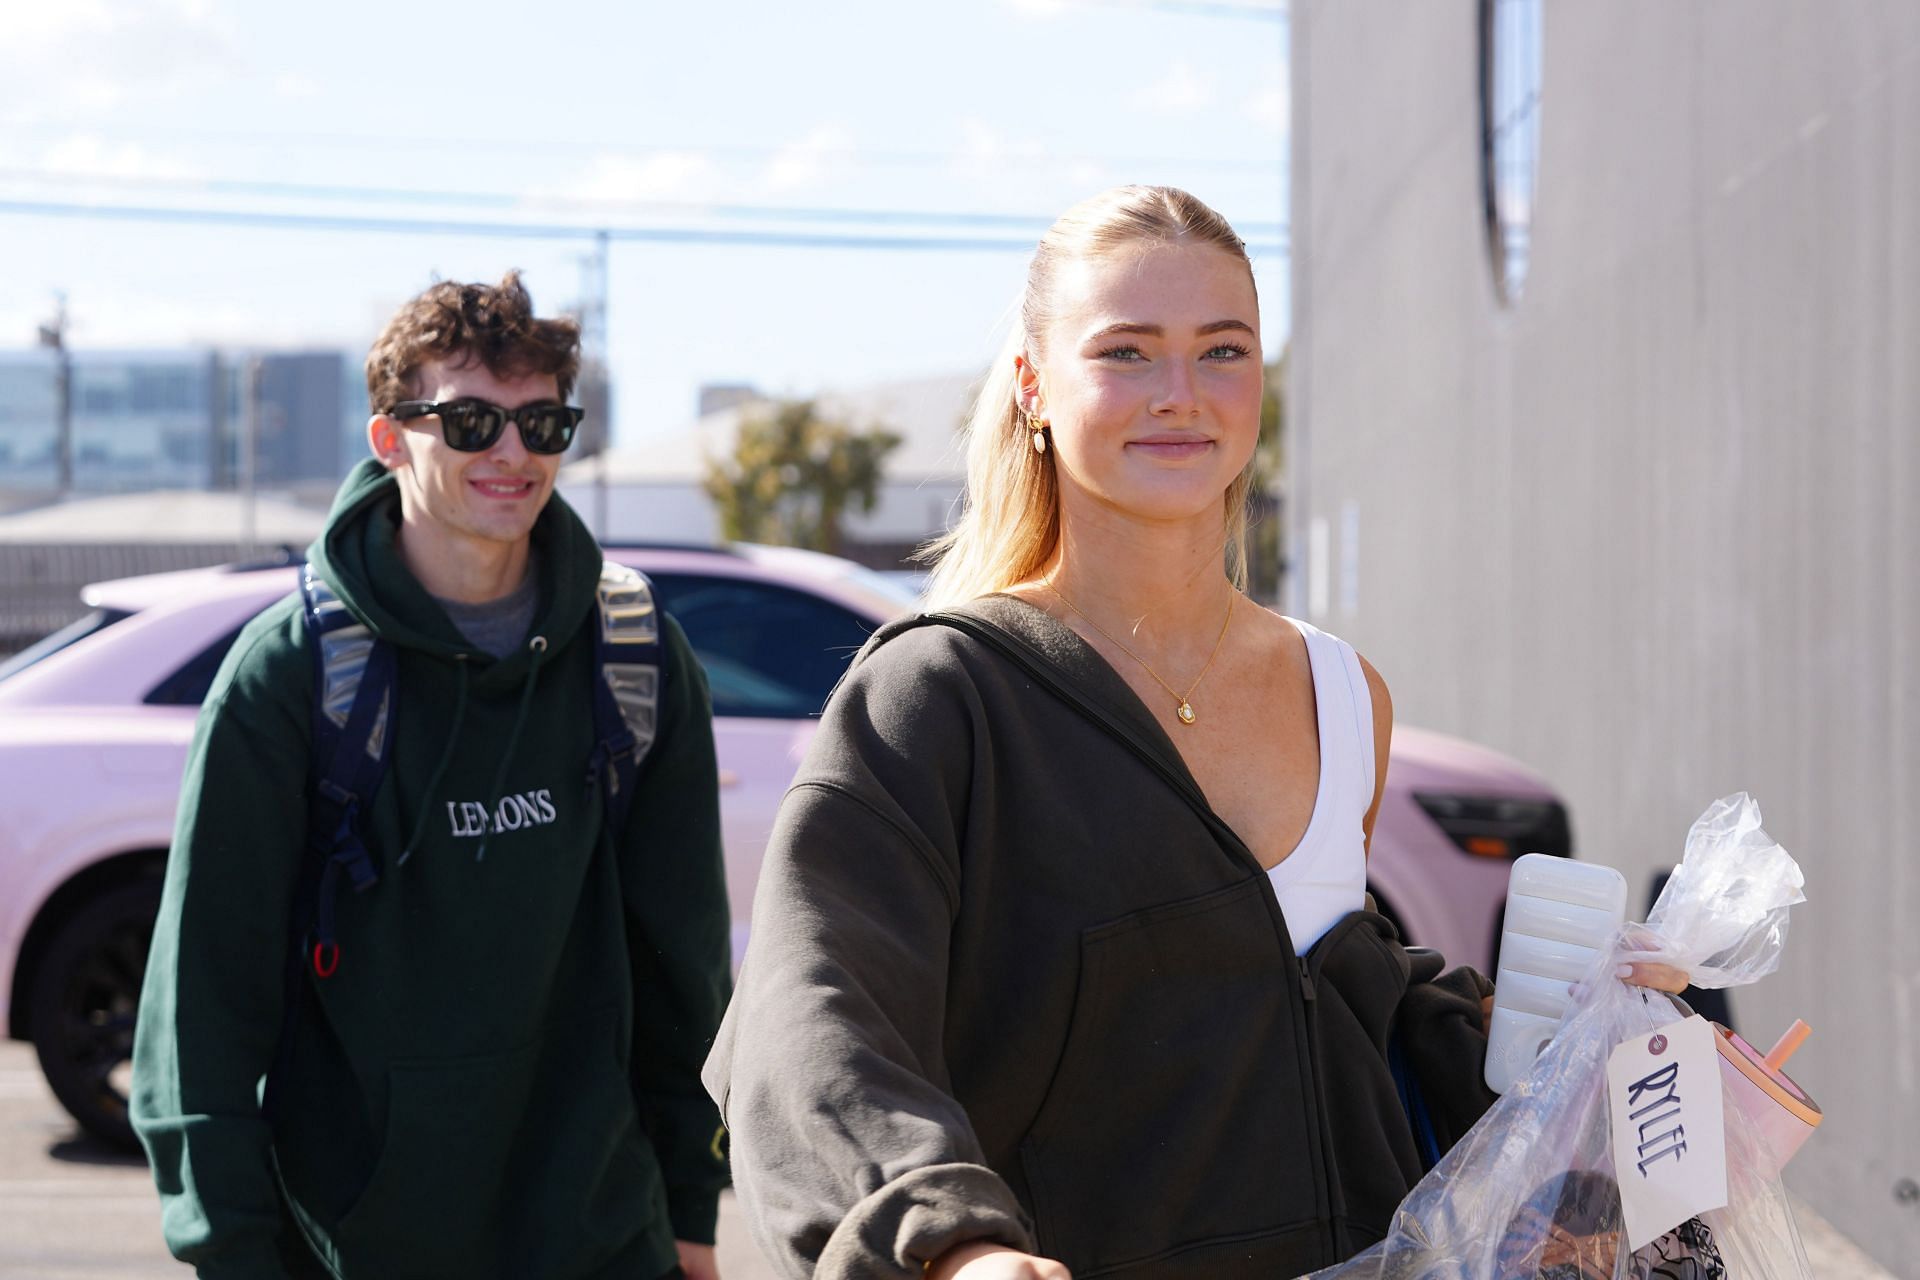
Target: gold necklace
[[1185, 700]]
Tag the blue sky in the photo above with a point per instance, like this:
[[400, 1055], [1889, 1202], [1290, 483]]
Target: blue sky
[[630, 115]]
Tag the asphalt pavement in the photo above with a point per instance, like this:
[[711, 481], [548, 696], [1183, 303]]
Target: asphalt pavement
[[70, 1209]]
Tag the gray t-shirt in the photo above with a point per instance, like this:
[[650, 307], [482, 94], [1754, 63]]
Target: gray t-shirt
[[498, 627]]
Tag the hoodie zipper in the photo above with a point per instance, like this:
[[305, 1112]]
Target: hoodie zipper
[[1303, 1008]]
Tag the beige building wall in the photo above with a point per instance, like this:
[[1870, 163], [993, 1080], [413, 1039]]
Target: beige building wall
[[1653, 529]]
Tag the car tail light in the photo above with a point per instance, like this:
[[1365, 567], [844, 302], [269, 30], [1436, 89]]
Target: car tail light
[[1497, 827]]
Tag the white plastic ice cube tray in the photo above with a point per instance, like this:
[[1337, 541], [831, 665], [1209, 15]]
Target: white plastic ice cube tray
[[1560, 914]]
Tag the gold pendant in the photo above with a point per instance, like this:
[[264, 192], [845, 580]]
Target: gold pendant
[[1186, 713]]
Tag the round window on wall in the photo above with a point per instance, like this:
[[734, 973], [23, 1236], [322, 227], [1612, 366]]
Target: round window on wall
[[1510, 33]]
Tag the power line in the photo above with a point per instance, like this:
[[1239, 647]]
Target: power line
[[283, 141], [1196, 8], [685, 235], [1216, 9], [510, 200]]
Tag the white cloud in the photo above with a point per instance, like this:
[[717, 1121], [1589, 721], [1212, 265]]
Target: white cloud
[[658, 175], [84, 153], [39, 25], [91, 57], [985, 154], [1270, 107], [1182, 91], [613, 179], [172, 320], [1089, 175], [296, 87], [809, 162], [1055, 8]]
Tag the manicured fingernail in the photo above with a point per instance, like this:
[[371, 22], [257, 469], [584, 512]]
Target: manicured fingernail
[[1624, 971]]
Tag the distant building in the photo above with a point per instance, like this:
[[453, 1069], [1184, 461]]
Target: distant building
[[177, 419], [651, 490], [1617, 470], [716, 396], [29, 407]]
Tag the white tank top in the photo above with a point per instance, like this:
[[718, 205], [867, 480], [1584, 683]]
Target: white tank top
[[1325, 877]]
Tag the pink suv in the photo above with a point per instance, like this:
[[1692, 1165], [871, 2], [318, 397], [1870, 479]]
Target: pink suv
[[95, 721]]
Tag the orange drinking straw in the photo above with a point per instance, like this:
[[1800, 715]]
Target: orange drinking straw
[[1784, 1047]]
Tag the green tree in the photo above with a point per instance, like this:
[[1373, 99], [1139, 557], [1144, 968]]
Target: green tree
[[1266, 531], [795, 474]]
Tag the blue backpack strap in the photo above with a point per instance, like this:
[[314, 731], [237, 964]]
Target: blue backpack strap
[[1413, 1100], [628, 681], [352, 719]]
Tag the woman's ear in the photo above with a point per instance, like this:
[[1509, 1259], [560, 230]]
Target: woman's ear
[[1026, 388]]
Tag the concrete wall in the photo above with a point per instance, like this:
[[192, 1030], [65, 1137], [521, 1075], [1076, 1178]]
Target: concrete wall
[[663, 511], [906, 514], [1654, 528]]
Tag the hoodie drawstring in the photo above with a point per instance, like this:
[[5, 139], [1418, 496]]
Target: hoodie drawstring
[[440, 769], [539, 646]]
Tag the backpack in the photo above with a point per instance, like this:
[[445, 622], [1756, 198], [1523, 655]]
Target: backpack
[[353, 706]]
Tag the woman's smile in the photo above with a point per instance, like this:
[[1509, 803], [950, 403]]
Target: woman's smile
[[1173, 446]]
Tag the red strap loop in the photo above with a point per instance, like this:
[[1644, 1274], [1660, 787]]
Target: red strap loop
[[326, 958]]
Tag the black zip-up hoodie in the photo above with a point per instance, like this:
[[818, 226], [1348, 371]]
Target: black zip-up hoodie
[[1006, 982]]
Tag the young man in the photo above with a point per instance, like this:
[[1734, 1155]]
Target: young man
[[486, 1062]]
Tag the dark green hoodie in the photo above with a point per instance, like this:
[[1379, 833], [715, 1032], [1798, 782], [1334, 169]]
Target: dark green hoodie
[[501, 1079]]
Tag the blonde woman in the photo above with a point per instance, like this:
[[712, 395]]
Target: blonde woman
[[1060, 960]]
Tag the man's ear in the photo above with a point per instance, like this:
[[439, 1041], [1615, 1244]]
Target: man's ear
[[383, 437], [1026, 388]]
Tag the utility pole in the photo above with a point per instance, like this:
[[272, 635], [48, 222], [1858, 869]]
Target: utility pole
[[53, 335], [249, 457], [595, 372]]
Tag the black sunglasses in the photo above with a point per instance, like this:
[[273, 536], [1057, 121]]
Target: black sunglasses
[[471, 425]]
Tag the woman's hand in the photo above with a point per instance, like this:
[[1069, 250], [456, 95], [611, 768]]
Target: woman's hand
[[1639, 973], [697, 1260], [1661, 977], [984, 1261], [1647, 973]]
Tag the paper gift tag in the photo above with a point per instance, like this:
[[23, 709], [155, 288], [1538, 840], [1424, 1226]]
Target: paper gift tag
[[1669, 1128]]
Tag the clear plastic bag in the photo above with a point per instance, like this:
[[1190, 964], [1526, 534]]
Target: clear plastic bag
[[1529, 1191]]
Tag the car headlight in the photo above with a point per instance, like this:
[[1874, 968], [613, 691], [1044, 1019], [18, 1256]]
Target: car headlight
[[1497, 827]]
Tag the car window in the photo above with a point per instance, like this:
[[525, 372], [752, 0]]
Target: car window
[[72, 633], [767, 650], [188, 685]]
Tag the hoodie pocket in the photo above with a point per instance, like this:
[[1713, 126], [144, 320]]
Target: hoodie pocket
[[434, 1203], [1177, 1120], [526, 1163]]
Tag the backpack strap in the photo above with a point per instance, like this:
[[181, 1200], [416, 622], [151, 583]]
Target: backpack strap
[[629, 679], [352, 715], [1413, 1101]]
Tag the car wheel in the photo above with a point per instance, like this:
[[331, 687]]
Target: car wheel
[[82, 1005]]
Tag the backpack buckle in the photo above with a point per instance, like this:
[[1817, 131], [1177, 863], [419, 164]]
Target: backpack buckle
[[326, 959]]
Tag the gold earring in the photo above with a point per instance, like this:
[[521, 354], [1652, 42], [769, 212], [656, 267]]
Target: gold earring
[[1039, 430]]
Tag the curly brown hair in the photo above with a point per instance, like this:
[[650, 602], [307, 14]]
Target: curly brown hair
[[491, 323]]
